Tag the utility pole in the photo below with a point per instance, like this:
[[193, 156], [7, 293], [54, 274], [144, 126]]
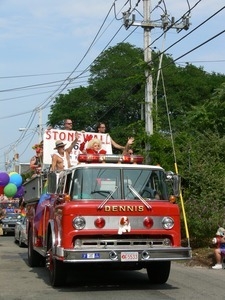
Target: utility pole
[[148, 77], [40, 128], [148, 25]]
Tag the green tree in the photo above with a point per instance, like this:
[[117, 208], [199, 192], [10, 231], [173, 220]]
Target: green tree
[[78, 105], [210, 114], [201, 164]]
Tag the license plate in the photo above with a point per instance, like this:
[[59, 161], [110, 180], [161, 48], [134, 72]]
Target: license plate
[[90, 255], [129, 256]]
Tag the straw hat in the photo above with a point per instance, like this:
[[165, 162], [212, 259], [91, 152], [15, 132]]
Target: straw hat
[[58, 144]]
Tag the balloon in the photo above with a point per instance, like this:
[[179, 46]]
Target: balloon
[[12, 173], [1, 190], [20, 192], [4, 178], [10, 190], [16, 179]]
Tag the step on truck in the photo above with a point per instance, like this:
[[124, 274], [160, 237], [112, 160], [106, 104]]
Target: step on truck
[[108, 211]]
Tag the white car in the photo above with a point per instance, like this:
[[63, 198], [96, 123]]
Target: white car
[[9, 222], [20, 232]]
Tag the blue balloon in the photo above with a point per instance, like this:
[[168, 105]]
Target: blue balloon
[[4, 178], [16, 179]]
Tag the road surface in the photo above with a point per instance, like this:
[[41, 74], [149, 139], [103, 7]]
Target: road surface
[[19, 281]]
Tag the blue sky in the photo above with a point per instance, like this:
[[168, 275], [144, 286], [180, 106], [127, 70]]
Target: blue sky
[[43, 42]]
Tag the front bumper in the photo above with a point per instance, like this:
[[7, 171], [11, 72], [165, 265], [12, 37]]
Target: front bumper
[[8, 228], [124, 255]]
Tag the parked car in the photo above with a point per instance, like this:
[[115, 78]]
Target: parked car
[[20, 232], [9, 222]]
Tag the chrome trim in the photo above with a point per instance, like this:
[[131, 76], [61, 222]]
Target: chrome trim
[[147, 243], [112, 222], [105, 255]]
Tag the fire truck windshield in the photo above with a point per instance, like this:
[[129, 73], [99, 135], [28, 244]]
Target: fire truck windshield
[[119, 183]]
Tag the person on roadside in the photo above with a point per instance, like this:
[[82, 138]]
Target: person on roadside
[[9, 208], [219, 251], [101, 128], [2, 214]]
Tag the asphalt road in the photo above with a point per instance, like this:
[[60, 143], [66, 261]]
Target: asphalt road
[[19, 281]]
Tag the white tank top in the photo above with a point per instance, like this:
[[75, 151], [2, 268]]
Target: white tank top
[[65, 162]]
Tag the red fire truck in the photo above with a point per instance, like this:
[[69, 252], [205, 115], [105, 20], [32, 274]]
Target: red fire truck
[[108, 211]]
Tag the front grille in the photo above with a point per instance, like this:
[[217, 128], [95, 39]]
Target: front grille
[[11, 225], [115, 243]]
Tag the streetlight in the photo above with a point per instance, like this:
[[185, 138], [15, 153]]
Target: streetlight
[[37, 130]]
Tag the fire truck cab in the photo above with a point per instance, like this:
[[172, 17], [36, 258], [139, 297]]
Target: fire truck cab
[[107, 211]]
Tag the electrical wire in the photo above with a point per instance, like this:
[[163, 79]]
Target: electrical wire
[[50, 98]]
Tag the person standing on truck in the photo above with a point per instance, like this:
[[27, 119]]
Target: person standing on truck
[[94, 146], [37, 160], [61, 159], [68, 124], [127, 150], [101, 128]]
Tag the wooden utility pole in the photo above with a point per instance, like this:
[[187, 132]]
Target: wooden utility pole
[[165, 23]]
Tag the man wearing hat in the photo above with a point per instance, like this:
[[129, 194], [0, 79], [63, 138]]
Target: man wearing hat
[[61, 159], [36, 161]]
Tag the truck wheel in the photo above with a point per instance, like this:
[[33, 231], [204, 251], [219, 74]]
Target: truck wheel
[[56, 268], [158, 271], [34, 258]]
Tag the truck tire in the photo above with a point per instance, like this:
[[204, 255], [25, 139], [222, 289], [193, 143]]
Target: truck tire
[[158, 272], [56, 268], [34, 258]]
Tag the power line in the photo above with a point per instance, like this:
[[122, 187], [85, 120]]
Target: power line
[[33, 75]]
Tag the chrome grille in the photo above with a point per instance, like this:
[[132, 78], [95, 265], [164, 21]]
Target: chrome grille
[[117, 243]]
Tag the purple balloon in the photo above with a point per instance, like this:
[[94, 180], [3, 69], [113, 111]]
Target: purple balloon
[[20, 192], [4, 178]]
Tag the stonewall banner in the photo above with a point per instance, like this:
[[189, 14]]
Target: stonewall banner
[[68, 136]]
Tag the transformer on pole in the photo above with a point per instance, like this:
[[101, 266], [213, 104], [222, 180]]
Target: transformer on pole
[[165, 23]]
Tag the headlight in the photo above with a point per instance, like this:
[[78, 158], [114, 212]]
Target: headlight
[[79, 223], [167, 223]]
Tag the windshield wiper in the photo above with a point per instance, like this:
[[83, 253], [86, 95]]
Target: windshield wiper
[[132, 189], [107, 198]]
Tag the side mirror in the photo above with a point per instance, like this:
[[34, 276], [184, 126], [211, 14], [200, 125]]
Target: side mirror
[[176, 185], [175, 181]]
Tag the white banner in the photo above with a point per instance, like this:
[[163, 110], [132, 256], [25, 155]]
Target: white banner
[[67, 137]]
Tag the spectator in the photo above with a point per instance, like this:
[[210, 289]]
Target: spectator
[[9, 208], [94, 146], [219, 251], [2, 214]]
